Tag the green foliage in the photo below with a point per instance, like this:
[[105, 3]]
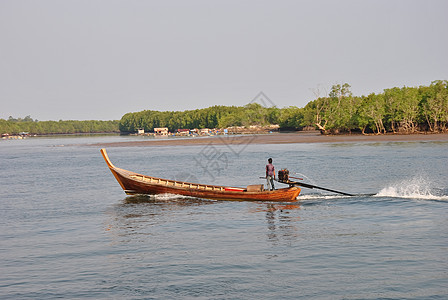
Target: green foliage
[[406, 109], [15, 126], [434, 105], [371, 114], [291, 117], [211, 117], [26, 119]]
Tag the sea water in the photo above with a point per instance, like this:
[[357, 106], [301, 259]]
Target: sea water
[[67, 230]]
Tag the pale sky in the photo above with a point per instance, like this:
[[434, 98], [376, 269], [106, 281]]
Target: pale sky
[[99, 59]]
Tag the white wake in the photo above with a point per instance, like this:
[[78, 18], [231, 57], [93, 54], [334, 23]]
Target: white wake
[[415, 188]]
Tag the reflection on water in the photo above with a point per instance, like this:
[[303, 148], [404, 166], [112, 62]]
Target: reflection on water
[[137, 214], [281, 224], [169, 199]]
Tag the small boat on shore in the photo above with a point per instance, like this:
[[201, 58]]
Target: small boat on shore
[[134, 183]]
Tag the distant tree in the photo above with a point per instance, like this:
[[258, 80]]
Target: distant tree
[[393, 98], [291, 117], [435, 105], [371, 113]]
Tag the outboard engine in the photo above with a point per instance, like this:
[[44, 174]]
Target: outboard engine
[[283, 175]]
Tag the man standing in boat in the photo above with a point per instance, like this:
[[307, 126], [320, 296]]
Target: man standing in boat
[[270, 174]]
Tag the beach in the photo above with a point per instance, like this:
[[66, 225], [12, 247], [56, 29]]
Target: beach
[[279, 138]]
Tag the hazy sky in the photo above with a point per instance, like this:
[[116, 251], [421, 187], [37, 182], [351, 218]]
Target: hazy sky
[[99, 59]]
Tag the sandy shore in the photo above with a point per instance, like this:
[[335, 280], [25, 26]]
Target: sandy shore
[[279, 138]]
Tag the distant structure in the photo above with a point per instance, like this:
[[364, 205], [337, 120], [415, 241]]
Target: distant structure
[[183, 132], [205, 131], [161, 131]]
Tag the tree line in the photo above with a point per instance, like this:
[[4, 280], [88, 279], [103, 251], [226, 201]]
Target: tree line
[[405, 110], [27, 124], [211, 117], [214, 117]]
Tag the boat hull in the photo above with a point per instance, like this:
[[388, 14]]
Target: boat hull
[[134, 183]]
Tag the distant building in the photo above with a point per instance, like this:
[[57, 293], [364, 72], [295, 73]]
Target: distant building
[[161, 131], [183, 131], [205, 131], [140, 131]]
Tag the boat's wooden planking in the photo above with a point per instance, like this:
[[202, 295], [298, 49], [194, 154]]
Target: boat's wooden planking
[[173, 183], [134, 183]]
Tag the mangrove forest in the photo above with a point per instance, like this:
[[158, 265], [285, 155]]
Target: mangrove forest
[[395, 110], [28, 125]]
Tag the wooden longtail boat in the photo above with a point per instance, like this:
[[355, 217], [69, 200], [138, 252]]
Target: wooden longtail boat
[[134, 183]]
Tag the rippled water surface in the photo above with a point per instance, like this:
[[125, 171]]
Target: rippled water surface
[[67, 230]]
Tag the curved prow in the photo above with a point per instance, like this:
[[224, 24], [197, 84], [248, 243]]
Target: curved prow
[[106, 158]]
